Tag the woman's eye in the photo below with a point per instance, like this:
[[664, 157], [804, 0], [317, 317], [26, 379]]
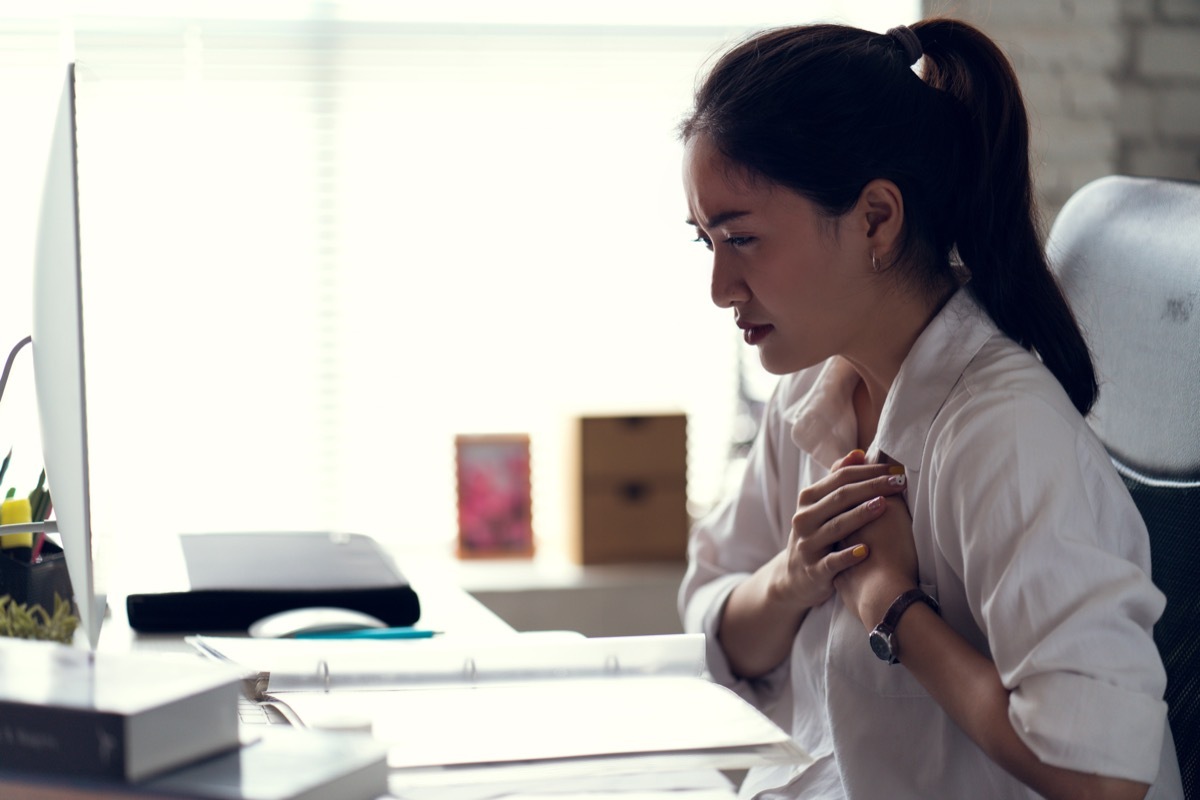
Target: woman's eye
[[732, 241]]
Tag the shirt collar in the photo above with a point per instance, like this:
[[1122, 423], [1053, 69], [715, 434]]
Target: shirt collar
[[822, 419], [930, 371]]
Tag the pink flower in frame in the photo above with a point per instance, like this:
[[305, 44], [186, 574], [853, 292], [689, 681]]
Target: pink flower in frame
[[494, 495]]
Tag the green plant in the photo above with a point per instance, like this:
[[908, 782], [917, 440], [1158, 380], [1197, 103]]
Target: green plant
[[24, 622]]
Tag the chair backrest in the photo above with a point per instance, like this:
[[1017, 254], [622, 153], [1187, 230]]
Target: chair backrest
[[1127, 251]]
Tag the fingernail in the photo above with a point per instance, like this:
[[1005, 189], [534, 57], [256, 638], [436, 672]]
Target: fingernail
[[859, 551], [896, 469], [875, 503], [897, 480], [857, 453]]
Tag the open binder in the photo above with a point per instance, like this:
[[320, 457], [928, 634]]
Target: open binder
[[626, 703]]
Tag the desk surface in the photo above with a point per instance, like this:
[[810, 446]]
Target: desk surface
[[445, 606]]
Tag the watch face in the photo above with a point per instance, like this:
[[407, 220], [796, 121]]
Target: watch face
[[883, 645]]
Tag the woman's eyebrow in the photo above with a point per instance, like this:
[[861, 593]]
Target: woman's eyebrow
[[719, 219]]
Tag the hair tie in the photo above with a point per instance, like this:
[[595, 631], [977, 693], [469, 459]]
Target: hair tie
[[909, 41]]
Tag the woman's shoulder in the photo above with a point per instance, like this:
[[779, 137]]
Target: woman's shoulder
[[1008, 405], [1003, 372], [1010, 412], [1010, 436]]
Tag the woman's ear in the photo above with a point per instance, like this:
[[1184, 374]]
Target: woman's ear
[[881, 209]]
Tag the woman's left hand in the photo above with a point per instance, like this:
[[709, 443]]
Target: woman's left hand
[[890, 569]]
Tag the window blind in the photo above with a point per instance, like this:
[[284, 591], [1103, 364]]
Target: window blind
[[319, 243]]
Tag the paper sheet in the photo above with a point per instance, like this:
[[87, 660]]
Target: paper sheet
[[548, 720], [516, 785]]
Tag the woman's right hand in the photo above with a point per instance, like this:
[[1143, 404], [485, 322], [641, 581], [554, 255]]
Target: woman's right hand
[[827, 512], [762, 614]]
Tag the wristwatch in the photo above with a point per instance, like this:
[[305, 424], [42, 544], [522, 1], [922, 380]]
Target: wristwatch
[[883, 638]]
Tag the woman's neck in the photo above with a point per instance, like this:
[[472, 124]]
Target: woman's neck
[[880, 359]]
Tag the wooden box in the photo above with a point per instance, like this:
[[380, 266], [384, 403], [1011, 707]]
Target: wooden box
[[630, 489]]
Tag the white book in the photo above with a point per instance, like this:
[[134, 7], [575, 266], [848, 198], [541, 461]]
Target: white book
[[122, 716], [281, 763], [553, 704]]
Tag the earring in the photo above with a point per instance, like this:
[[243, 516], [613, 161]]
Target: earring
[[875, 266]]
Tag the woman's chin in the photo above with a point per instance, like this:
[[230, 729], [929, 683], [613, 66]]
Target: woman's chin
[[777, 364]]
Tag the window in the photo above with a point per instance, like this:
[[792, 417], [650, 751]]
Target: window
[[317, 245]]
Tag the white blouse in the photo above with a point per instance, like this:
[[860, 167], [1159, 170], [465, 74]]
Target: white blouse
[[1026, 536]]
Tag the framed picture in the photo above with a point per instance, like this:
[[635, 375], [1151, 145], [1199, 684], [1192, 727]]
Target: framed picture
[[494, 495]]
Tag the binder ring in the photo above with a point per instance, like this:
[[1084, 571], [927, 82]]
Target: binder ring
[[323, 674]]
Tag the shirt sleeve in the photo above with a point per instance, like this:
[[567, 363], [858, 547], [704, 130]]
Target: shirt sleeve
[[1055, 561], [731, 543]]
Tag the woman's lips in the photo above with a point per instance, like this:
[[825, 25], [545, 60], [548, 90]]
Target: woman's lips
[[754, 334]]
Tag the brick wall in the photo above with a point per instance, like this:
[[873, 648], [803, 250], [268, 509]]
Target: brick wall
[[1158, 84], [1112, 86]]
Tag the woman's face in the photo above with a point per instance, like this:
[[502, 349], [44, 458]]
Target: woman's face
[[798, 282]]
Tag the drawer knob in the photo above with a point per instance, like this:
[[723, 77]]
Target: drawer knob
[[634, 491]]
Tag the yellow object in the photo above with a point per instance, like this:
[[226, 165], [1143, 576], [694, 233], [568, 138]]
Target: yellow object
[[13, 512]]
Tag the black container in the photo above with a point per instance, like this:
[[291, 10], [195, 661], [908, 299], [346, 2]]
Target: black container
[[35, 584]]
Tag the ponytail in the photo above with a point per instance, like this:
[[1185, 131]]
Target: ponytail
[[995, 227]]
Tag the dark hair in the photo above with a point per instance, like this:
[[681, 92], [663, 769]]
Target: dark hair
[[825, 109]]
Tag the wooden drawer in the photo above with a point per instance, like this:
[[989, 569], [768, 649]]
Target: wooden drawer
[[633, 521], [629, 489], [634, 445]]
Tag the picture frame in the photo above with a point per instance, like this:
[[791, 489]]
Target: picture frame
[[494, 496]]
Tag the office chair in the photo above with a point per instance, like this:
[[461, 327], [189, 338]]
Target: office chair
[[1127, 251]]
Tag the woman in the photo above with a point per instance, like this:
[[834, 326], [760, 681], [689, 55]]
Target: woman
[[931, 575]]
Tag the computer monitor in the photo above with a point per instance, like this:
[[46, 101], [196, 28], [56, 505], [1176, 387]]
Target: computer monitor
[[58, 365]]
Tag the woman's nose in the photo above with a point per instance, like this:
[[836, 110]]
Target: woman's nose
[[728, 289]]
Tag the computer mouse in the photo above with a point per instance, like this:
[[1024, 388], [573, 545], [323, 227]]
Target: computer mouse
[[316, 619]]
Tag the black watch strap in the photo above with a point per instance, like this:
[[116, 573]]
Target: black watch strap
[[883, 638], [892, 618]]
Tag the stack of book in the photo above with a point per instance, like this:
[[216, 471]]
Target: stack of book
[[80, 723], [124, 716], [281, 763]]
